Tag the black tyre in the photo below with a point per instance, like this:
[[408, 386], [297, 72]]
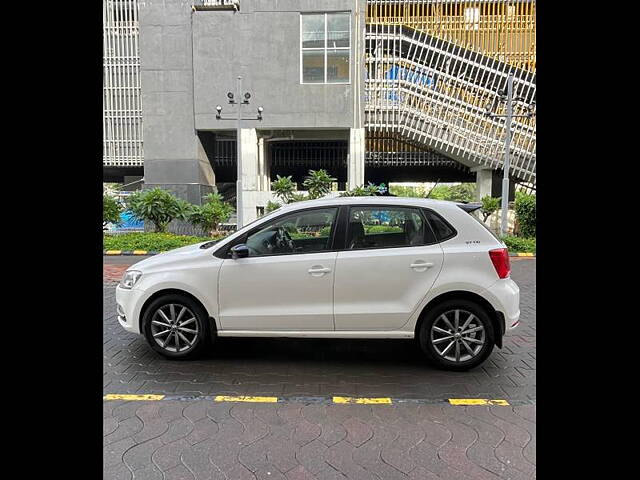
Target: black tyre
[[176, 327], [457, 335]]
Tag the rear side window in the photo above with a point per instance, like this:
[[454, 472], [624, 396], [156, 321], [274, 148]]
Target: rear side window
[[386, 227], [440, 226]]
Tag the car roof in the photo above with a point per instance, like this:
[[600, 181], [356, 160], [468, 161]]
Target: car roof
[[372, 200]]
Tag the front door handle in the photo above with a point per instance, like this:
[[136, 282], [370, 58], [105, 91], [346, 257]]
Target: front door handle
[[318, 270], [421, 266]]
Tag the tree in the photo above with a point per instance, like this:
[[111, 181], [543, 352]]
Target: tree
[[271, 206], [318, 183], [157, 206], [489, 206], [111, 210], [210, 214], [283, 188]]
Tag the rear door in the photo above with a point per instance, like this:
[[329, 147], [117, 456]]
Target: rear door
[[391, 260]]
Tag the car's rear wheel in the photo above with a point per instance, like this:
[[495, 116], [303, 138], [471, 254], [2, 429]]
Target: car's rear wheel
[[176, 326], [457, 335]]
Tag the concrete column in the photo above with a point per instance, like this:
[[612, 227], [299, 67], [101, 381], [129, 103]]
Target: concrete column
[[484, 178], [174, 158], [251, 177], [355, 164]]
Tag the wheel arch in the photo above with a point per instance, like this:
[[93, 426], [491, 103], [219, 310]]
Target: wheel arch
[[176, 291], [496, 317]]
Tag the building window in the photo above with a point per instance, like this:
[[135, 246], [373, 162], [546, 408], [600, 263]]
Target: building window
[[325, 47]]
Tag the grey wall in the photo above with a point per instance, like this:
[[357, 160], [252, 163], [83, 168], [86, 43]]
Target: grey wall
[[261, 42], [173, 155]]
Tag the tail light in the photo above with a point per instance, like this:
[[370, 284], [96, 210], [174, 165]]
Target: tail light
[[501, 262]]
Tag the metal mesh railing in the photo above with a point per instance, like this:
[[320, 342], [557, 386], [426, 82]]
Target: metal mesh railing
[[437, 93]]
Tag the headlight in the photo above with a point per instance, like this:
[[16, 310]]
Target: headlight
[[130, 278]]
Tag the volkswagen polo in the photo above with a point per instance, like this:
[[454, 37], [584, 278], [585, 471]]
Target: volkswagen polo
[[348, 267]]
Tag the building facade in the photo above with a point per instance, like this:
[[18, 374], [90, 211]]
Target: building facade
[[377, 90]]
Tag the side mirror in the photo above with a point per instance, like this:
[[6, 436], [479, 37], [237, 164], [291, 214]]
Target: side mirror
[[239, 251]]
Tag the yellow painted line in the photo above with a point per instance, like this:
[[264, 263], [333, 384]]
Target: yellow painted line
[[140, 252], [225, 398], [113, 396], [113, 252], [477, 401], [363, 400], [524, 254]]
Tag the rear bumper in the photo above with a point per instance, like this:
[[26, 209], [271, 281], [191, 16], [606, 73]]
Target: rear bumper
[[504, 296]]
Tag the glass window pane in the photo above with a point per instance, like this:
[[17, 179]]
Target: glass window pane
[[313, 66], [384, 228], [303, 232], [337, 66], [338, 30], [313, 31]]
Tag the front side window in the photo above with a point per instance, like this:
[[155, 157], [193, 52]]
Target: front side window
[[382, 227], [325, 47], [303, 232]]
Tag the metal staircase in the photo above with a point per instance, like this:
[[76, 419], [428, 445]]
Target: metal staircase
[[437, 93]]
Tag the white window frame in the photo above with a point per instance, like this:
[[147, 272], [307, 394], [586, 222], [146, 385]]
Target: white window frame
[[325, 49]]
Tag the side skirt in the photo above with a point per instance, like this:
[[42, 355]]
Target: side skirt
[[315, 334]]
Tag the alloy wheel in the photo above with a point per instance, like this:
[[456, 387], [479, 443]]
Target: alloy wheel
[[174, 327], [458, 335]]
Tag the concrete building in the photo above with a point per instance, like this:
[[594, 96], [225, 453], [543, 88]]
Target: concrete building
[[372, 90]]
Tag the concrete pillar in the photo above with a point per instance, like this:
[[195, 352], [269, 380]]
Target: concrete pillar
[[251, 176], [355, 163], [484, 177], [174, 158]]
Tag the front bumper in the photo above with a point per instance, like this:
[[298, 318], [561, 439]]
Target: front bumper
[[128, 305]]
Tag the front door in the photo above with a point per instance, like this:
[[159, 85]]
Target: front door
[[390, 263], [286, 283]]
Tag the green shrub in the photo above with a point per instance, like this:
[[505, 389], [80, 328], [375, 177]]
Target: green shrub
[[362, 191], [211, 213], [464, 192], [489, 206], [111, 210], [158, 207], [283, 188], [318, 183], [519, 244], [159, 242], [526, 214], [271, 206]]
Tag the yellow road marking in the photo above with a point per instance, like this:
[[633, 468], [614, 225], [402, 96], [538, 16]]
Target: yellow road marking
[[113, 396], [113, 252], [364, 400], [525, 254], [139, 252], [242, 398], [477, 401]]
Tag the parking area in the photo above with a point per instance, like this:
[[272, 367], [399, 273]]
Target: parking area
[[192, 434]]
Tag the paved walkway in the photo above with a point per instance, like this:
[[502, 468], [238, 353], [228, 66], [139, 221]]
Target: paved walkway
[[306, 435]]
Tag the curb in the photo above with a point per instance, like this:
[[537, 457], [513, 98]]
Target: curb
[[129, 252], [522, 255], [324, 400]]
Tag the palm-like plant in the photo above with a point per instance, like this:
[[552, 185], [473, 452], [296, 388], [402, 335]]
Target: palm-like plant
[[157, 206], [283, 188], [211, 213], [318, 183]]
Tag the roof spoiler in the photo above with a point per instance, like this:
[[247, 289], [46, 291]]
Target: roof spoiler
[[470, 207]]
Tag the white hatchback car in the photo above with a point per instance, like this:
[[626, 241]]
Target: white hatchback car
[[356, 267]]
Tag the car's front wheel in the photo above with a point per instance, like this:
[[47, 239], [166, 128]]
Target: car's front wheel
[[176, 326], [457, 335]]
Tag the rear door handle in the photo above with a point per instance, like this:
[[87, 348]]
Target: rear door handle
[[421, 265], [318, 271]]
